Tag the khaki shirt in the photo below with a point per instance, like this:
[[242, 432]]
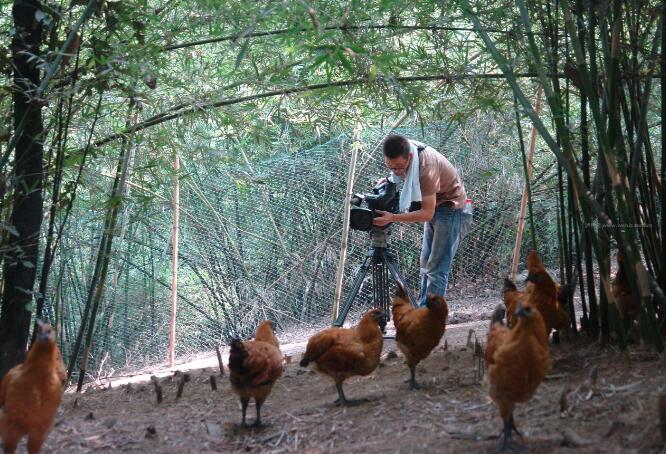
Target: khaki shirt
[[438, 176]]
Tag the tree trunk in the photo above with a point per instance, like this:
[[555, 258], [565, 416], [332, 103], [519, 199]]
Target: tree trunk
[[662, 280], [21, 251]]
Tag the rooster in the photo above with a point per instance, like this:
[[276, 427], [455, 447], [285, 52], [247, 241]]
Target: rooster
[[512, 296], [542, 291]]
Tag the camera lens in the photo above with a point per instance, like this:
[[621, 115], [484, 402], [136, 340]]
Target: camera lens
[[360, 218]]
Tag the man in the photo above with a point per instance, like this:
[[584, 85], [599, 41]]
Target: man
[[429, 178]]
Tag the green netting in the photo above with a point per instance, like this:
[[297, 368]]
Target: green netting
[[262, 240]]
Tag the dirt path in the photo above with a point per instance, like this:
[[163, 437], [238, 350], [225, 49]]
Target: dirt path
[[456, 335], [617, 413]]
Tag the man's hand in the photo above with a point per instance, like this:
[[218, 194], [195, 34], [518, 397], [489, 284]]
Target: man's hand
[[383, 219]]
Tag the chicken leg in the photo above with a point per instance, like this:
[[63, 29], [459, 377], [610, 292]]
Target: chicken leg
[[412, 379], [244, 402], [342, 400], [257, 422], [507, 444]]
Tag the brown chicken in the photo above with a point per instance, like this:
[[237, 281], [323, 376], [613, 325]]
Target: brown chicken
[[418, 330], [30, 393], [344, 352], [627, 303], [254, 367], [512, 296], [517, 360], [542, 291]]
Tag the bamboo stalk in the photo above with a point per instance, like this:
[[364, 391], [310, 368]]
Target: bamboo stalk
[[105, 253], [344, 27], [572, 244], [579, 269], [592, 209], [49, 250], [60, 142], [561, 215], [528, 183], [515, 257], [662, 277], [570, 237], [102, 261], [593, 325], [174, 259], [339, 274]]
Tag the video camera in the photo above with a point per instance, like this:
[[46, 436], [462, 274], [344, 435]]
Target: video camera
[[385, 197]]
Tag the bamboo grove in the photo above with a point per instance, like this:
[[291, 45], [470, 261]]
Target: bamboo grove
[[114, 90], [610, 54]]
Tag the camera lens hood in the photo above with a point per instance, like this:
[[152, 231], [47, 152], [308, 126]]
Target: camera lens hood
[[360, 218]]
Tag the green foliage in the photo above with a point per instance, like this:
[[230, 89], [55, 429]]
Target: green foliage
[[186, 65]]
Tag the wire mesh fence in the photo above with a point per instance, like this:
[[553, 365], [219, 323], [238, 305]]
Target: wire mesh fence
[[262, 240]]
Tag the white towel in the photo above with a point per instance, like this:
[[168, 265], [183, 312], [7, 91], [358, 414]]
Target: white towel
[[411, 188]]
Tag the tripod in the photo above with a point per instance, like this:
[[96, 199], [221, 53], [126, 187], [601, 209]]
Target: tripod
[[382, 263]]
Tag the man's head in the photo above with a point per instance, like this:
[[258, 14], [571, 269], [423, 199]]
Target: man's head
[[396, 154]]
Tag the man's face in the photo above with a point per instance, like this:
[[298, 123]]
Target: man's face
[[398, 165]]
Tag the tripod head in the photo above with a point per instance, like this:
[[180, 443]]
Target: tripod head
[[383, 264], [379, 237]]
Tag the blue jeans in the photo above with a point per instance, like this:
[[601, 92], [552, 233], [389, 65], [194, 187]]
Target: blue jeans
[[440, 242]]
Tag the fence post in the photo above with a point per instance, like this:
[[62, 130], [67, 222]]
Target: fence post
[[174, 259], [339, 274], [515, 258]]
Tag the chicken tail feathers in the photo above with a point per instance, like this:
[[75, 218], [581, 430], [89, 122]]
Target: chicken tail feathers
[[237, 356]]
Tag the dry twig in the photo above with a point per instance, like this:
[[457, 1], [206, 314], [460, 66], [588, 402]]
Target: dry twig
[[219, 360], [184, 378], [662, 416], [158, 388]]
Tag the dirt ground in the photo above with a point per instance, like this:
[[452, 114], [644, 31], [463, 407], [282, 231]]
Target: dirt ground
[[594, 400]]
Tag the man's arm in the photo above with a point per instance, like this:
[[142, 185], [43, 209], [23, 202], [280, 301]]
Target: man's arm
[[426, 213]]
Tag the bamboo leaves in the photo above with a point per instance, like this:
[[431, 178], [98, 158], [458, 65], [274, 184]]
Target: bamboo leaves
[[615, 210]]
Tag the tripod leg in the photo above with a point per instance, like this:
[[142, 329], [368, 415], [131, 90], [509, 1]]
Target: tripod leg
[[380, 289], [395, 273], [356, 286]]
